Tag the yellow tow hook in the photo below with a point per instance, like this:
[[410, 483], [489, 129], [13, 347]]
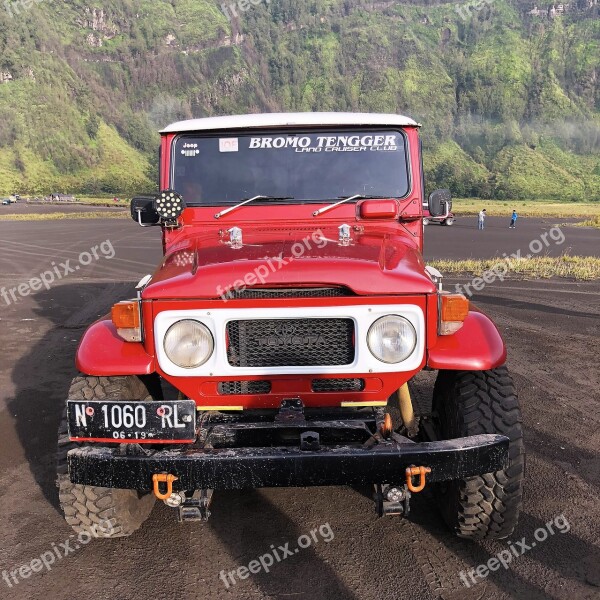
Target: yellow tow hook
[[414, 472], [163, 478]]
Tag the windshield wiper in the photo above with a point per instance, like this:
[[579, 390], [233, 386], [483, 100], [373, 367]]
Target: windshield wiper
[[232, 208], [345, 199]]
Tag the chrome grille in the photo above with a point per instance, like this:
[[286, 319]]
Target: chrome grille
[[290, 342]]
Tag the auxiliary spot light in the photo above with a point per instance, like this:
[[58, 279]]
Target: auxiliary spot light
[[169, 205]]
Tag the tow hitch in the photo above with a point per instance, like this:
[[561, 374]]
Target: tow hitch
[[195, 507], [395, 499], [191, 506], [392, 500]]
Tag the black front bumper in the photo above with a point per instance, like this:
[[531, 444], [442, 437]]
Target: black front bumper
[[229, 468]]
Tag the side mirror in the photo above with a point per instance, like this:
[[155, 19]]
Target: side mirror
[[143, 211], [440, 203]]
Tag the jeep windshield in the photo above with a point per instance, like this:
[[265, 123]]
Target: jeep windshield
[[308, 166]]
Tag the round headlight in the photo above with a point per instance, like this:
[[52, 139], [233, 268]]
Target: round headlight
[[188, 344], [392, 339]]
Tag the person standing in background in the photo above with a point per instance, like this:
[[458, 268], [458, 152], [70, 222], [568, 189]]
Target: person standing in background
[[513, 220], [481, 219]]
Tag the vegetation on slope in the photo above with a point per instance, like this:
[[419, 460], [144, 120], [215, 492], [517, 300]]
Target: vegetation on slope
[[510, 102]]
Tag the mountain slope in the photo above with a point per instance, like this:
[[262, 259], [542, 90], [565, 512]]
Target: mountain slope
[[510, 101]]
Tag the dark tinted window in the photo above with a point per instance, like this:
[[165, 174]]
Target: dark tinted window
[[313, 166]]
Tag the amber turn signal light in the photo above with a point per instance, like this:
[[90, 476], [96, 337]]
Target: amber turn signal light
[[454, 309], [126, 315], [126, 318]]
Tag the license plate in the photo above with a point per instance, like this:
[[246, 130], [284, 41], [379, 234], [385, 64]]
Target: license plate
[[132, 422]]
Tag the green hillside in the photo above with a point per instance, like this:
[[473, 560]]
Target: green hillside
[[509, 100]]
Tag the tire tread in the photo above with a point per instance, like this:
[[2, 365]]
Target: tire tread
[[478, 402], [83, 505]]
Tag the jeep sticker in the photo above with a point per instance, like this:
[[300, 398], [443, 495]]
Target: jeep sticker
[[190, 150], [229, 145]]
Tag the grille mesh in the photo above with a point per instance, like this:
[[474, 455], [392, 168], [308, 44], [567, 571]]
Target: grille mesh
[[338, 385], [241, 388], [252, 293], [290, 342]]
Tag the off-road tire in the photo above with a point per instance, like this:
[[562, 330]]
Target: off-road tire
[[115, 512], [469, 403]]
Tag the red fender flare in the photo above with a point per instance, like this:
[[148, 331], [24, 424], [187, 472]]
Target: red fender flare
[[477, 346], [102, 353]]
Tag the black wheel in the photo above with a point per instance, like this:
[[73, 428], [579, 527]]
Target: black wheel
[[448, 222], [469, 403], [105, 512]]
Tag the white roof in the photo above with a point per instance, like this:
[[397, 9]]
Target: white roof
[[288, 120]]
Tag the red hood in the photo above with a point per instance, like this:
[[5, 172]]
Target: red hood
[[206, 265]]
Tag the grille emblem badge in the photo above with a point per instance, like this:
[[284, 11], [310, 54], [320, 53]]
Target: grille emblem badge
[[285, 329]]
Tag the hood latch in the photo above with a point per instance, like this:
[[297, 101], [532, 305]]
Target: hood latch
[[235, 237], [345, 239]]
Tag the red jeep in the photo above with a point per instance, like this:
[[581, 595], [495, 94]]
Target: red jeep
[[276, 343]]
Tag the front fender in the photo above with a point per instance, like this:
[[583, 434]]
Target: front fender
[[477, 346], [102, 353]]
